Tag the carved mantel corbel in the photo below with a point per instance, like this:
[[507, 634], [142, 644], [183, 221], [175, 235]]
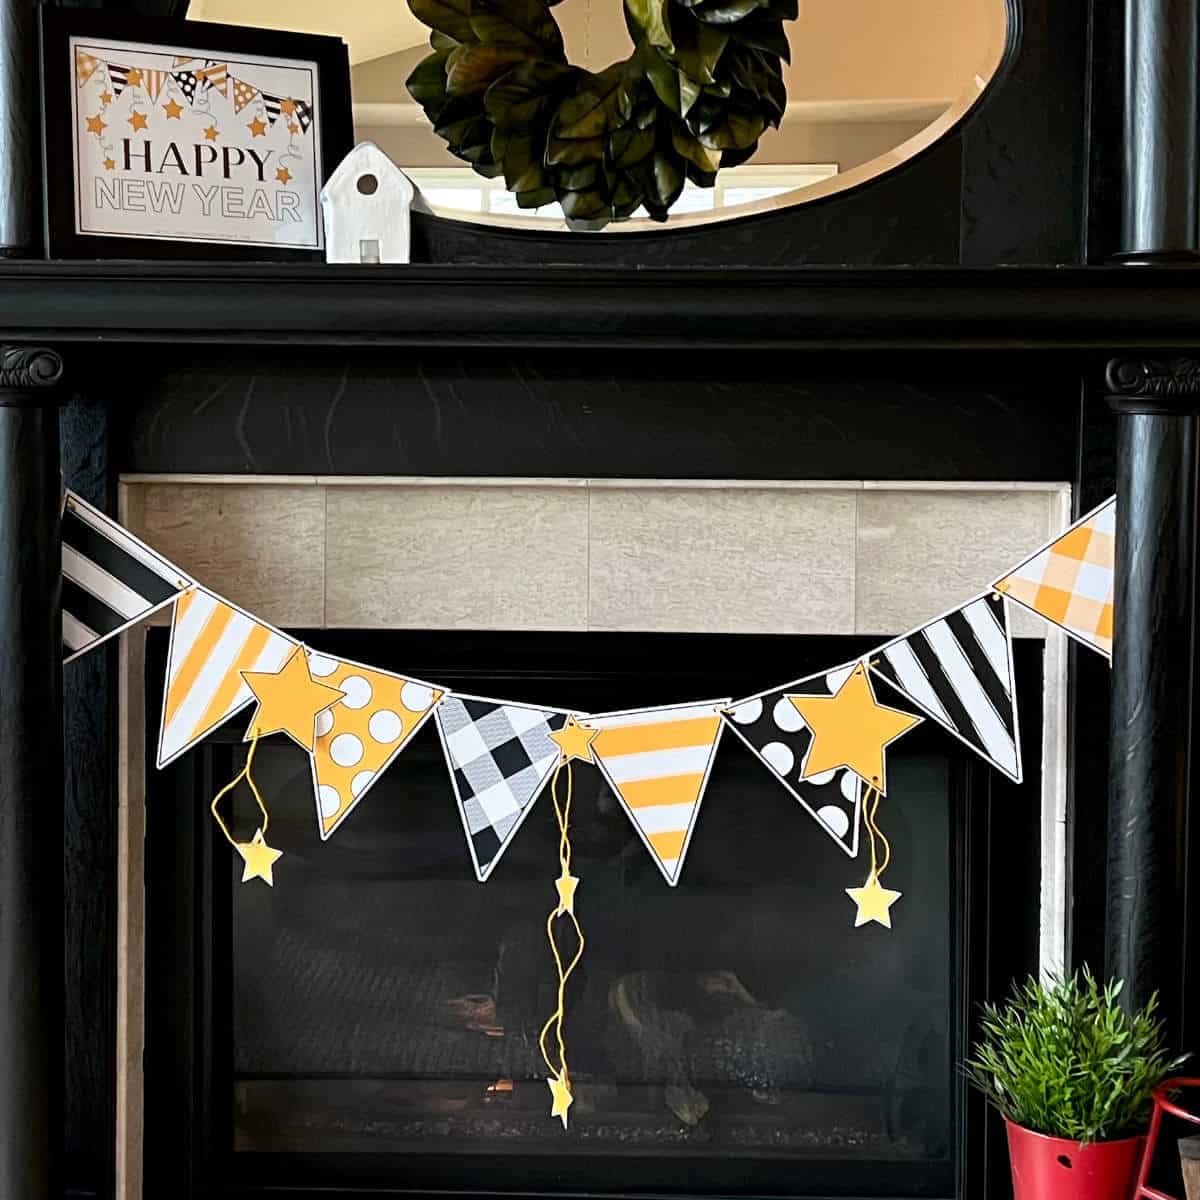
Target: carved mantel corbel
[[1164, 386], [29, 374]]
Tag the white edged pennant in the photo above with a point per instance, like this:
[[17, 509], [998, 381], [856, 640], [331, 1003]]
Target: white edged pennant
[[657, 761]]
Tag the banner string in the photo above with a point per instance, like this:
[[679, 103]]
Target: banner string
[[870, 811], [244, 773]]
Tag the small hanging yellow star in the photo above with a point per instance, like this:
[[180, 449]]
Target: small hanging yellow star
[[290, 700], [287, 106], [110, 164], [137, 119], [173, 109], [562, 1100], [566, 885], [210, 134], [293, 127], [96, 125], [260, 859], [874, 902], [574, 741], [257, 127], [283, 175], [106, 98], [134, 78]]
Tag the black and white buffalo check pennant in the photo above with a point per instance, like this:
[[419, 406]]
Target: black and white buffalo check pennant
[[500, 756], [110, 579]]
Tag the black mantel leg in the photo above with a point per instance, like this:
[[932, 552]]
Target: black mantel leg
[[31, 806], [1156, 692]]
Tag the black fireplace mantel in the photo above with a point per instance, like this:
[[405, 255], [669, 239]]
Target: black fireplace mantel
[[1110, 309]]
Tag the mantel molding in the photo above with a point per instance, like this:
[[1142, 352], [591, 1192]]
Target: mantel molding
[[1105, 310], [1168, 385], [28, 375]]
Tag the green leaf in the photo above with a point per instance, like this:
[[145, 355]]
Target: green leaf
[[515, 100], [648, 22], [593, 110], [524, 25], [629, 146], [707, 160], [474, 68], [726, 12], [452, 17], [698, 49], [570, 152], [765, 35], [427, 83]]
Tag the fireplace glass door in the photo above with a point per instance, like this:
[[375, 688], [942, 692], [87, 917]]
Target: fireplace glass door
[[372, 1021]]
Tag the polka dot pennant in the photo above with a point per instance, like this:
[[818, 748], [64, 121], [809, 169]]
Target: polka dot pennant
[[772, 728], [358, 737]]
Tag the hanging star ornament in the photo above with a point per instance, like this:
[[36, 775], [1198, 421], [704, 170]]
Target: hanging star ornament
[[257, 127], [851, 729], [560, 1091], [874, 902], [566, 884], [173, 109], [96, 125], [290, 700], [574, 741], [283, 175], [260, 859], [137, 119]]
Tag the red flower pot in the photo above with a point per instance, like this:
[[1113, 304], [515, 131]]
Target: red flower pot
[[1048, 1168]]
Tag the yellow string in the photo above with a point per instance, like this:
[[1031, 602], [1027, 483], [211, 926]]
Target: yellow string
[[870, 811], [244, 773], [562, 814]]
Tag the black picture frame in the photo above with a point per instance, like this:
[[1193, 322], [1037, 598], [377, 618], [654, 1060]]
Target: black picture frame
[[332, 123]]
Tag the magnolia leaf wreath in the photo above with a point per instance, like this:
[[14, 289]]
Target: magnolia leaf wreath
[[704, 81]]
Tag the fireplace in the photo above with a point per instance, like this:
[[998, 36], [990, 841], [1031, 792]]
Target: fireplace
[[371, 1026]]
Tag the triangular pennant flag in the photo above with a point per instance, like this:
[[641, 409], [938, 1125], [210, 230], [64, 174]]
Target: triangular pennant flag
[[243, 93], [271, 104], [500, 756], [303, 114], [111, 580], [772, 728], [153, 82], [187, 83], [212, 643], [362, 733], [657, 760], [1069, 582], [117, 76], [180, 59], [85, 66], [215, 76], [958, 669]]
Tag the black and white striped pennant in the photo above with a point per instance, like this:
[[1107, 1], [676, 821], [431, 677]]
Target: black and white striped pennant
[[958, 669], [117, 75], [110, 579]]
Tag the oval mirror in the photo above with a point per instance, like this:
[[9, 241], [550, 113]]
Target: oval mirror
[[870, 83]]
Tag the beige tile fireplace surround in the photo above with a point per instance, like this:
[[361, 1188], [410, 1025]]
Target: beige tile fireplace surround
[[801, 557]]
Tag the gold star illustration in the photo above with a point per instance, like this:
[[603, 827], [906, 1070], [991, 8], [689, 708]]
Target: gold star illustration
[[289, 700], [566, 885], [851, 729], [293, 127], [562, 1100], [173, 109], [287, 106], [210, 134], [874, 902], [95, 125], [134, 78], [106, 98], [260, 859], [283, 175], [109, 164], [137, 119], [574, 741], [257, 127]]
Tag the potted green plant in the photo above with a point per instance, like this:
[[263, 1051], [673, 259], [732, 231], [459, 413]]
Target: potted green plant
[[1071, 1073]]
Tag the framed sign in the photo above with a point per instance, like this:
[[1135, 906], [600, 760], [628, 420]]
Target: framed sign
[[176, 139]]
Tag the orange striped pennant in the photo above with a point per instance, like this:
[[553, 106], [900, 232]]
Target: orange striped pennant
[[657, 761]]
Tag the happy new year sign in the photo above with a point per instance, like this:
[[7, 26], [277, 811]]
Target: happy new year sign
[[171, 143]]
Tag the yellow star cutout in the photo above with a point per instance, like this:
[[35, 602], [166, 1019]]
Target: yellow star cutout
[[173, 109], [260, 859], [283, 175], [562, 1100], [289, 700], [106, 98], [257, 128], [137, 119], [287, 106], [293, 127], [95, 125], [109, 164], [134, 78], [574, 741], [874, 902], [566, 885], [210, 134], [851, 729]]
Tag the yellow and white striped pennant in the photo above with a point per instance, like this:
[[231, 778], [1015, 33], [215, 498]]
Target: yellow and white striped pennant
[[658, 760], [212, 643]]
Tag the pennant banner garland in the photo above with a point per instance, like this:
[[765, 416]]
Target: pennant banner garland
[[110, 579], [657, 760], [1070, 581], [500, 756]]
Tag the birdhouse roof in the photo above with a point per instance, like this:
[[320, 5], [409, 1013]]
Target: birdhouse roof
[[366, 158]]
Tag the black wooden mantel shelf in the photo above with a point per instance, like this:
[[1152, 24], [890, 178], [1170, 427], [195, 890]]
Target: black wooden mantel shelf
[[1108, 309]]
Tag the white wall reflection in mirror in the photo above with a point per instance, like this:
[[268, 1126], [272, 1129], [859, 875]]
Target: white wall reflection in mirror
[[871, 83]]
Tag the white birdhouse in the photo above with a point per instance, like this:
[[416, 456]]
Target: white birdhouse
[[365, 206]]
